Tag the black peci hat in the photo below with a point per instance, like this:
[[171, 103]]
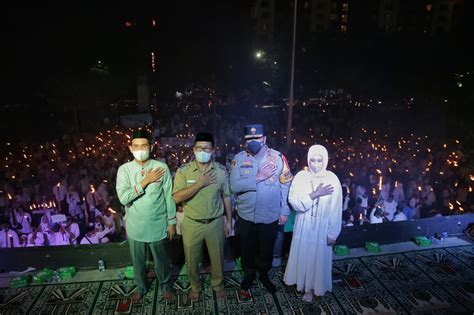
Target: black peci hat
[[204, 136]]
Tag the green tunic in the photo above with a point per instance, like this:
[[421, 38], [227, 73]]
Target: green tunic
[[206, 203], [147, 212]]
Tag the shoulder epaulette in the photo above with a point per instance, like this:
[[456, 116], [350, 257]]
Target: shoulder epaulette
[[219, 165], [241, 153]]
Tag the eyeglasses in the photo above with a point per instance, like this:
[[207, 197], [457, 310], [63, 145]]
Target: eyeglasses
[[200, 149]]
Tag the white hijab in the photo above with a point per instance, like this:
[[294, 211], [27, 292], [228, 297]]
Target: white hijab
[[318, 150]]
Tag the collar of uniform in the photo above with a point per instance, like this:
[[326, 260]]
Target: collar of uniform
[[196, 168]]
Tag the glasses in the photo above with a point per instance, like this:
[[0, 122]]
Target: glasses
[[200, 149]]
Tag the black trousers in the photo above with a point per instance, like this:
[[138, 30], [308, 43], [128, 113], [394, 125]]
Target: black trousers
[[256, 245]]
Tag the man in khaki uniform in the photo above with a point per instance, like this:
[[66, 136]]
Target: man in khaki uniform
[[202, 186]]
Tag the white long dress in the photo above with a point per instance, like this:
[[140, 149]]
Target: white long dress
[[310, 261]]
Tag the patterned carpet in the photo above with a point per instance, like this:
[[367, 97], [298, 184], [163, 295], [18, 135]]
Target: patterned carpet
[[433, 281]]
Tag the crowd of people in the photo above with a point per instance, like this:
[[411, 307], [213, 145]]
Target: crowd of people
[[80, 189], [384, 177]]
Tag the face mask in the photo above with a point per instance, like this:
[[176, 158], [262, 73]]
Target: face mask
[[141, 155], [254, 146], [203, 157]]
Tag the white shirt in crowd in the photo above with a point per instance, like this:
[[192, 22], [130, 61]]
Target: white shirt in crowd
[[399, 217], [390, 208], [374, 219], [73, 199], [25, 221], [60, 192], [74, 227], [345, 203], [9, 239], [45, 227], [59, 239], [96, 237], [39, 239]]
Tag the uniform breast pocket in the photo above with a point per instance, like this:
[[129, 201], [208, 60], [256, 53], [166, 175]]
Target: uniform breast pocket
[[247, 171]]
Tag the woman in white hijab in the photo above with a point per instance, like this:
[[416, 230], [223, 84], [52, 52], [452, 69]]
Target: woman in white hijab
[[316, 195]]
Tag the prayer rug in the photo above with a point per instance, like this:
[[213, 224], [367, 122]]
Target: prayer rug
[[431, 281]]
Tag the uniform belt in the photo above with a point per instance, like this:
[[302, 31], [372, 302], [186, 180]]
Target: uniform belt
[[205, 221]]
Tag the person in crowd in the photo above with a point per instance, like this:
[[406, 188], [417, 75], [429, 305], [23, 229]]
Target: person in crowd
[[36, 237], [109, 222], [60, 192], [93, 198], [45, 226], [73, 227], [346, 190], [144, 187], [94, 237], [74, 202], [61, 235], [23, 240], [8, 237], [260, 177], [399, 215], [22, 220], [427, 196], [202, 186], [103, 191], [376, 213], [412, 209], [448, 195], [359, 212], [389, 207], [349, 220], [398, 193], [316, 195]]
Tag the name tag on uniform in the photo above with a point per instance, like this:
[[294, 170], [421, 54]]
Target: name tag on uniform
[[191, 181]]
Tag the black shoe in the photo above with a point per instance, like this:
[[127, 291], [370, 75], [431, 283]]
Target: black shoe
[[247, 282], [267, 284]]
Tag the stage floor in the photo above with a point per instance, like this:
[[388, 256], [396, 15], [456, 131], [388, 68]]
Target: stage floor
[[402, 279]]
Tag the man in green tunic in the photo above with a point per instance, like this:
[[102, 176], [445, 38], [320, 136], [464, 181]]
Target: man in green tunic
[[144, 187], [202, 186]]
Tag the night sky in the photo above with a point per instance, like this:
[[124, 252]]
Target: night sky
[[50, 40], [195, 41]]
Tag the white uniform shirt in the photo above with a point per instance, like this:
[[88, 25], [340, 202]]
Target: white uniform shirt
[[9, 239]]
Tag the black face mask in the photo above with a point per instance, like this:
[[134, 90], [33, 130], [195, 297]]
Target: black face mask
[[254, 146]]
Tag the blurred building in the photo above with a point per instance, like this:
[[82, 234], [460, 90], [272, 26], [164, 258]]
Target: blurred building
[[431, 17]]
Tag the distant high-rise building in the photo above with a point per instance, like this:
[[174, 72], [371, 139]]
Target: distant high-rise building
[[263, 13], [432, 17], [389, 11], [446, 15], [141, 38]]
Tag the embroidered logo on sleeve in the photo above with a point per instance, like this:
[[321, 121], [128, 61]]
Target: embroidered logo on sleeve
[[286, 175]]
